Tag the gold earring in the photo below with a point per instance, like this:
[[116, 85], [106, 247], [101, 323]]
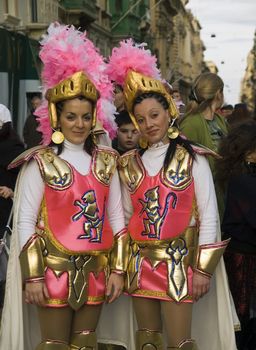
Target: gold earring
[[57, 137], [172, 131], [143, 142]]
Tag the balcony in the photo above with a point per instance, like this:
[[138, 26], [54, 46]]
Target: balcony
[[87, 8]]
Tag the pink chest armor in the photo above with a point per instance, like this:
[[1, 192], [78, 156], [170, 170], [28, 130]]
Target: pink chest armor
[[160, 212], [76, 217], [162, 204]]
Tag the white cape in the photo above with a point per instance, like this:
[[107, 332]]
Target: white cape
[[213, 320]]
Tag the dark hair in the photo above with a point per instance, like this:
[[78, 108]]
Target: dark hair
[[122, 118], [89, 145], [7, 132], [239, 115], [227, 108], [173, 142], [233, 149]]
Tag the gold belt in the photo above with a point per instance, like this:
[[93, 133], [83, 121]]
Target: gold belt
[[178, 253], [78, 268]]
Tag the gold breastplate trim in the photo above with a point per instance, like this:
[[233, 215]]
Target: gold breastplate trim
[[178, 174]]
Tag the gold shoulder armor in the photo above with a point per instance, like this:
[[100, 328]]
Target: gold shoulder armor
[[104, 164], [178, 175], [131, 170], [55, 171], [25, 156]]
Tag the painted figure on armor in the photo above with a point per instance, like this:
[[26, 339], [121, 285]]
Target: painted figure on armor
[[69, 246], [171, 212]]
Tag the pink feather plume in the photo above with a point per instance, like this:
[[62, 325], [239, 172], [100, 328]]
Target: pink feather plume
[[64, 52], [131, 56]]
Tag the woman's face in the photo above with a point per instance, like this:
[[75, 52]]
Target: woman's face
[[75, 120], [153, 120]]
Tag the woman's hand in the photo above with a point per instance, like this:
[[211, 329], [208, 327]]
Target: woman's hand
[[201, 285], [115, 286], [36, 293], [6, 192]]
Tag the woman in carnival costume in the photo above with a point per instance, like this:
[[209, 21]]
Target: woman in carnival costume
[[170, 206], [69, 242]]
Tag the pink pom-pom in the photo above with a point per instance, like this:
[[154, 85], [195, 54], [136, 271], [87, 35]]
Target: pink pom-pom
[[131, 56], [44, 122]]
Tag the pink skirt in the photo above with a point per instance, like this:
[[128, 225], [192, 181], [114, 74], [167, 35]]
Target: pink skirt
[[153, 282], [58, 288]]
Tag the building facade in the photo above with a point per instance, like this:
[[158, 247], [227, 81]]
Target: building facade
[[248, 86], [169, 29]]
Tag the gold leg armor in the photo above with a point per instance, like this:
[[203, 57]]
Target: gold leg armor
[[149, 340], [86, 340], [187, 344], [53, 345]]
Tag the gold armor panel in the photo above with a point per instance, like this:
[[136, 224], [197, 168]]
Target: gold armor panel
[[179, 254], [39, 253], [178, 175], [149, 340], [104, 165], [84, 341], [31, 258], [208, 257], [131, 170], [119, 253], [55, 171]]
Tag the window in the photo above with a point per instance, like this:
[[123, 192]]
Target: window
[[119, 6], [34, 11]]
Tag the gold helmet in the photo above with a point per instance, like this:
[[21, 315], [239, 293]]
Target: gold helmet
[[76, 85], [137, 84]]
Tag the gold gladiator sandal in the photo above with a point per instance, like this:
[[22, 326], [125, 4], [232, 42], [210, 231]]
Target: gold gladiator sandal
[[149, 340], [85, 340], [188, 344], [53, 345]]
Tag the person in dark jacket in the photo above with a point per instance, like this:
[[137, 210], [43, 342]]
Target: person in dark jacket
[[237, 171], [32, 137]]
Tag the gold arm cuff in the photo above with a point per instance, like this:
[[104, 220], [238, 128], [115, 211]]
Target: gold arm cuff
[[208, 257], [119, 253], [31, 259]]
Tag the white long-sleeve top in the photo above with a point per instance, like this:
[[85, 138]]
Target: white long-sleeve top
[[32, 191], [153, 160]]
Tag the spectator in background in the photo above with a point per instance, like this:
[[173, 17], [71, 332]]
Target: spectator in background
[[119, 98], [32, 137], [226, 111], [239, 115], [178, 101], [10, 147], [236, 170], [201, 123], [127, 135]]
